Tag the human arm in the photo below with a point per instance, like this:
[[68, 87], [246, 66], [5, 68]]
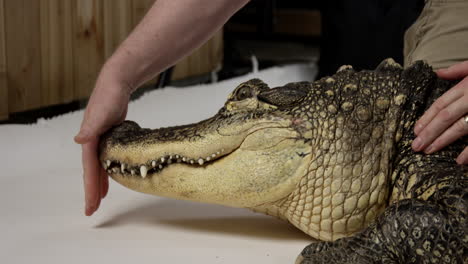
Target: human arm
[[170, 30], [444, 122]]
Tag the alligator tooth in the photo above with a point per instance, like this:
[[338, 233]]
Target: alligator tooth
[[208, 158], [122, 167], [153, 163], [107, 164], [217, 153], [184, 159], [201, 161], [115, 170], [109, 171], [162, 160], [177, 156], [160, 166], [143, 171], [213, 155], [132, 172], [192, 161], [104, 165], [170, 157]]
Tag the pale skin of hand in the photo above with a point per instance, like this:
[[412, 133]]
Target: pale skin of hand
[[443, 123], [169, 31], [107, 107]]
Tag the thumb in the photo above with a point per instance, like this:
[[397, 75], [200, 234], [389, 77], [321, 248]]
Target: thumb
[[92, 127], [457, 71], [82, 137], [95, 125], [87, 133]]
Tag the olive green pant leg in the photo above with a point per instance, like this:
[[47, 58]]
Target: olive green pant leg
[[440, 34]]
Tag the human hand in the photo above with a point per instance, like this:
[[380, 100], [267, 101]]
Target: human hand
[[107, 107], [444, 122]]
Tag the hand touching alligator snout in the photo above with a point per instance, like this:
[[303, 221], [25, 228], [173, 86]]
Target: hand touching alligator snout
[[107, 107]]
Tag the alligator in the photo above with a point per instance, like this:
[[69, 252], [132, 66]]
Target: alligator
[[332, 157]]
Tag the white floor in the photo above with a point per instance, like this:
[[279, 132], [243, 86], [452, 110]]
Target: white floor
[[41, 197]]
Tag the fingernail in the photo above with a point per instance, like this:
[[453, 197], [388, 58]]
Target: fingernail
[[89, 210], [460, 159], [442, 71], [417, 144], [81, 137], [429, 149], [418, 129]]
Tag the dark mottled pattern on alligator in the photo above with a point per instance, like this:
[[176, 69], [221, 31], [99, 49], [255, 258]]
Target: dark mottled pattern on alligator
[[419, 228]]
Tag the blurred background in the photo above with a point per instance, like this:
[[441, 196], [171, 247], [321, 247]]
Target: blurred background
[[52, 50]]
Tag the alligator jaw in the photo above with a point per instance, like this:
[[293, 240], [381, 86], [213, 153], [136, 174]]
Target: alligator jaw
[[156, 165], [243, 165], [228, 180]]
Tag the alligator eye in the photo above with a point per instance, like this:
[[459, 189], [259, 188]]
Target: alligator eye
[[244, 92]]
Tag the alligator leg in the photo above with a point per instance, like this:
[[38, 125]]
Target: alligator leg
[[411, 231]]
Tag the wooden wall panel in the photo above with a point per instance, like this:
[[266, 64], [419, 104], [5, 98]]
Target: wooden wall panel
[[57, 58], [23, 46], [51, 51], [118, 23], [3, 81], [203, 60], [88, 45], [140, 8]]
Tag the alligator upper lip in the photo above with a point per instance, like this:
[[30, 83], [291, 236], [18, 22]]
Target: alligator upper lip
[[157, 165]]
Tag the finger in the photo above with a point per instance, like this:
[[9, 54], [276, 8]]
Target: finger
[[105, 109], [463, 157], [443, 120], [91, 169], [90, 129], [105, 184], [99, 188], [442, 102], [82, 137], [454, 132], [95, 125], [456, 71]]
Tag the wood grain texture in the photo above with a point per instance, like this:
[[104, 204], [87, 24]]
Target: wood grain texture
[[118, 23], [140, 8], [3, 82], [57, 58], [51, 51], [204, 60], [88, 45], [23, 49]]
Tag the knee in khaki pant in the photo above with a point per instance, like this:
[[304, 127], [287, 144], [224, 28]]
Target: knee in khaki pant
[[440, 34]]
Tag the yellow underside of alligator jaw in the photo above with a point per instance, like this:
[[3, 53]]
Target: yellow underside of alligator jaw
[[265, 168]]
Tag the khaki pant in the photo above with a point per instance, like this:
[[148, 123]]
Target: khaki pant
[[440, 34]]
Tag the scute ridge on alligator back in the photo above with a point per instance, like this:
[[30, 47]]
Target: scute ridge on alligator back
[[332, 157]]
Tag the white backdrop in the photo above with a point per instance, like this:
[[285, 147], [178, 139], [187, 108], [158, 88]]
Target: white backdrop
[[41, 196]]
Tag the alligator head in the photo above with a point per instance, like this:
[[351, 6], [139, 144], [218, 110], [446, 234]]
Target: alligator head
[[318, 155], [253, 151]]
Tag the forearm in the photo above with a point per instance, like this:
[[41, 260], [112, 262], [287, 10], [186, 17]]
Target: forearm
[[170, 30]]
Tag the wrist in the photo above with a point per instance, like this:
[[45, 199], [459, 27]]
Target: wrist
[[113, 76]]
